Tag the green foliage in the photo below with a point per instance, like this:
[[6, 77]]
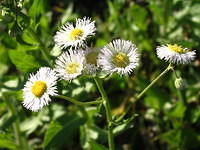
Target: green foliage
[[167, 118], [24, 62], [6, 141], [56, 131], [97, 146]]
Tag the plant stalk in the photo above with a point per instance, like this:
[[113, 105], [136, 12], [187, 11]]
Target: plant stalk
[[78, 102], [170, 67], [108, 113]]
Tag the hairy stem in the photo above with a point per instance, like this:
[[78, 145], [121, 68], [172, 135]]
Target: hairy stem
[[170, 67], [108, 112], [78, 102]]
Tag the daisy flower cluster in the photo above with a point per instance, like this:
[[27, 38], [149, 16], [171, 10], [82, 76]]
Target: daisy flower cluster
[[119, 56]]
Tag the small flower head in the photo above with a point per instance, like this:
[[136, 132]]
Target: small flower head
[[119, 56], [70, 64], [39, 88], [175, 54], [91, 55], [75, 35]]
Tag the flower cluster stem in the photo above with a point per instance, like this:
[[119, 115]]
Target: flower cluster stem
[[108, 112], [170, 67], [78, 102]]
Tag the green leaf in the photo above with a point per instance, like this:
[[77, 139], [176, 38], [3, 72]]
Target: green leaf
[[178, 111], [37, 8], [60, 133], [139, 16], [158, 12], [7, 142], [96, 146], [15, 30], [181, 138], [155, 98], [22, 60], [30, 124], [6, 121], [195, 115], [18, 95], [28, 37], [172, 137], [92, 132], [4, 60], [24, 20]]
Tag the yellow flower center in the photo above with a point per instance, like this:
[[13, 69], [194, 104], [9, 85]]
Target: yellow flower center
[[38, 88], [120, 60], [72, 68], [91, 58], [176, 48], [75, 34]]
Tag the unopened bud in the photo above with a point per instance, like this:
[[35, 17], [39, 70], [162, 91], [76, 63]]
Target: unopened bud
[[4, 12], [180, 83]]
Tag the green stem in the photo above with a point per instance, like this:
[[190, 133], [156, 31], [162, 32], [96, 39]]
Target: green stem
[[170, 67], [78, 102], [176, 75], [108, 112]]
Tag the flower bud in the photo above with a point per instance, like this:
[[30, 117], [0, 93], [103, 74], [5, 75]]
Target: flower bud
[[180, 83], [4, 11]]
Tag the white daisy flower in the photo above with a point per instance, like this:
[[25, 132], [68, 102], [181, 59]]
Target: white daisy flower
[[119, 56], [70, 64], [175, 54], [91, 55], [70, 35], [39, 88]]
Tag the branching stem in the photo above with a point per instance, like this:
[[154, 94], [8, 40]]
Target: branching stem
[[170, 67], [108, 113]]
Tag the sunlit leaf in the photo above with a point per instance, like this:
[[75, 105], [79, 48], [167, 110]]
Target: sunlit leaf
[[6, 141]]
